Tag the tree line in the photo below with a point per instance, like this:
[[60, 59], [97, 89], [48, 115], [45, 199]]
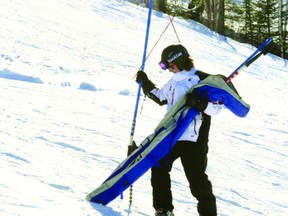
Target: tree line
[[249, 21]]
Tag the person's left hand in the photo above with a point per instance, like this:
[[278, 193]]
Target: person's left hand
[[193, 100]]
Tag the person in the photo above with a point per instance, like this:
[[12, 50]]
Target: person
[[192, 146]]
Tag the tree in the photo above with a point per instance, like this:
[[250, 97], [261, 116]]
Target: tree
[[282, 27], [208, 13], [162, 5], [248, 19], [195, 10], [265, 19], [214, 14], [219, 16]]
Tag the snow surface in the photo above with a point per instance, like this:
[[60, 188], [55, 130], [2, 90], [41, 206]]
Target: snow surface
[[68, 97]]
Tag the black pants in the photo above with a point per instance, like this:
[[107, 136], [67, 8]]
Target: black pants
[[194, 160]]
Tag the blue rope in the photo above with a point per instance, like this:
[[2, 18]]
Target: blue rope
[[142, 68]]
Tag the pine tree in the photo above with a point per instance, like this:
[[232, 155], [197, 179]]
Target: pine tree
[[195, 10], [162, 5], [234, 14], [265, 19], [218, 13], [248, 8], [282, 27]]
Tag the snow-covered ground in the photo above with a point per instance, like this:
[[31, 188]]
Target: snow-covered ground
[[67, 100]]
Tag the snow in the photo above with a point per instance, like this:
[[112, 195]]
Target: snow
[[68, 97]]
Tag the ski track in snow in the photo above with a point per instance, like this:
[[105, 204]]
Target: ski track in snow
[[67, 101]]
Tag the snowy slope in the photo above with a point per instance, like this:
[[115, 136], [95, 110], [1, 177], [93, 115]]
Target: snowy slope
[[67, 101]]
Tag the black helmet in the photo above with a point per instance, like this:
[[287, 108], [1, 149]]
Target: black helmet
[[173, 54]]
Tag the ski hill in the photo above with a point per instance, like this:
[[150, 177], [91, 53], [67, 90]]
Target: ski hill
[[68, 94]]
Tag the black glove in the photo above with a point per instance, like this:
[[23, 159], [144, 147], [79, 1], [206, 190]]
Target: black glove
[[193, 100], [141, 76], [147, 85]]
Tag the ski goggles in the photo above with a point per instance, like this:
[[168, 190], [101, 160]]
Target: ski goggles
[[164, 65]]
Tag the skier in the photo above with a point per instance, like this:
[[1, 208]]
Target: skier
[[192, 146]]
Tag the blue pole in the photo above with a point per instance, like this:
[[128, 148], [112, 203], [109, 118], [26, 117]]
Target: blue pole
[[142, 68], [261, 50], [139, 89]]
